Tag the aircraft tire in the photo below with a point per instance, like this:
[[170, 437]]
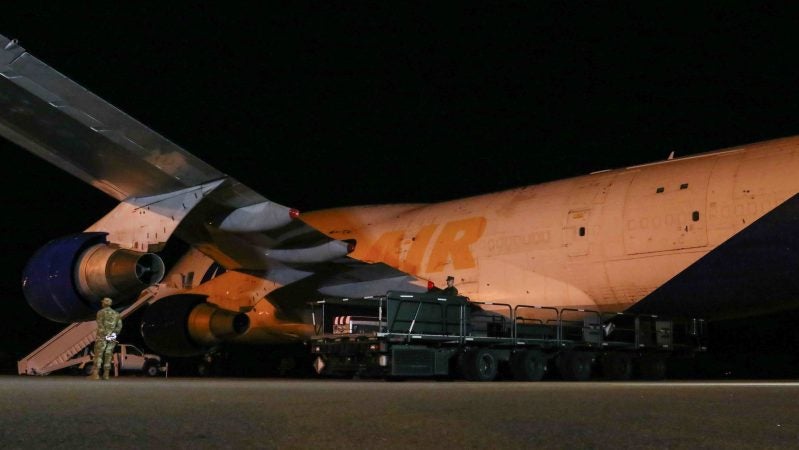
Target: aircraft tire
[[617, 366], [528, 365], [479, 365], [87, 368]]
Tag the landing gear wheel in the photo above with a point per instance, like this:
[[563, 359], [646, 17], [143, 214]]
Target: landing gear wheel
[[528, 365], [479, 365], [576, 366], [87, 369], [617, 366]]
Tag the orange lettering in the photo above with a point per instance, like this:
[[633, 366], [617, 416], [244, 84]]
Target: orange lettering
[[454, 242], [386, 249], [413, 260]]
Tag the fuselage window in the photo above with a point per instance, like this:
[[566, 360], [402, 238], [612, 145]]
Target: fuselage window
[[660, 190], [684, 186], [695, 216], [582, 231]]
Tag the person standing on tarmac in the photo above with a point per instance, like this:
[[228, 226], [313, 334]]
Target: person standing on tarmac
[[109, 324], [450, 289]]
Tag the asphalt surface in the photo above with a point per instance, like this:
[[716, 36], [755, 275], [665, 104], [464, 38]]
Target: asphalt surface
[[72, 412]]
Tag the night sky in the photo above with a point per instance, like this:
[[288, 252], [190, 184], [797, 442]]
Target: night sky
[[319, 105]]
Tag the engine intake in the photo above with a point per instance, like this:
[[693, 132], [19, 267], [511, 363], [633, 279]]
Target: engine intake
[[65, 280]]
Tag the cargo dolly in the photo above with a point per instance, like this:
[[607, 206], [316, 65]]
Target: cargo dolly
[[404, 335]]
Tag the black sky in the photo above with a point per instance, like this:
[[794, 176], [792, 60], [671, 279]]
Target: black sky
[[317, 105]]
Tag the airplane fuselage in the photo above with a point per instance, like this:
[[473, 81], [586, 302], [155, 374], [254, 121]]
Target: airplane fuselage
[[605, 240]]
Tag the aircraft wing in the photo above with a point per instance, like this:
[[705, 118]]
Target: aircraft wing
[[60, 121], [48, 114]]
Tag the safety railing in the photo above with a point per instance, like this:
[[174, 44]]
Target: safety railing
[[580, 325], [456, 319], [538, 323], [490, 320]]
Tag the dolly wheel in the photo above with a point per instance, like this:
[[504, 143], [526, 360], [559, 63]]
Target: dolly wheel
[[479, 365], [528, 365]]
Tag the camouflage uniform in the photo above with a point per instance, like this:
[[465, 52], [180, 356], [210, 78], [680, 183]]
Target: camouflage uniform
[[108, 323]]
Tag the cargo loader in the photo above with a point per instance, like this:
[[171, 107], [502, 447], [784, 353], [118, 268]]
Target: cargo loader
[[403, 335]]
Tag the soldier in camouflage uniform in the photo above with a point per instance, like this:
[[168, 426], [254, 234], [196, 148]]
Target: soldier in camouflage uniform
[[109, 324]]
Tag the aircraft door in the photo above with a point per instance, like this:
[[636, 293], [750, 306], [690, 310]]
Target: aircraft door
[[586, 197], [665, 208], [575, 232]]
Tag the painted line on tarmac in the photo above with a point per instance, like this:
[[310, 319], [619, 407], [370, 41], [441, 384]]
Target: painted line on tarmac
[[723, 384]]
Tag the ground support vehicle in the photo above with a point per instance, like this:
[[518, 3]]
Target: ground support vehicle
[[402, 335]]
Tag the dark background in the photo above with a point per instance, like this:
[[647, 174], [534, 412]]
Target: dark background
[[325, 104]]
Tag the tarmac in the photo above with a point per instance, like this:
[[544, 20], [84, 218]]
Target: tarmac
[[137, 412]]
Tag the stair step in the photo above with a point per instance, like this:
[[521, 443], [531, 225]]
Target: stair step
[[58, 350]]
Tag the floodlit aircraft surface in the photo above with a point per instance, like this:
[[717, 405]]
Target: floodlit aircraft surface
[[709, 235]]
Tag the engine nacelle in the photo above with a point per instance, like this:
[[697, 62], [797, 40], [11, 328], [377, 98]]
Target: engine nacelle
[[186, 325], [65, 280]]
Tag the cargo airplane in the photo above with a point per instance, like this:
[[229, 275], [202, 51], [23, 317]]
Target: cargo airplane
[[711, 235]]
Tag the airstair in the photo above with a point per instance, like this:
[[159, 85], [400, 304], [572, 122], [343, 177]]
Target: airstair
[[61, 350]]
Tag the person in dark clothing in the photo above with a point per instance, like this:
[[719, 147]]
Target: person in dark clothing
[[450, 289]]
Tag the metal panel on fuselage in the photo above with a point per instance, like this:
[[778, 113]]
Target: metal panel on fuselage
[[666, 207]]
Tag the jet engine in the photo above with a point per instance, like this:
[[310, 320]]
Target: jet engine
[[65, 280], [187, 325]]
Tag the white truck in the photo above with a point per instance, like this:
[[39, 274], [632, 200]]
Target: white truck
[[128, 358]]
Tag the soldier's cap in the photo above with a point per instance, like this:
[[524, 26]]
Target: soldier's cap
[[107, 300], [450, 277]]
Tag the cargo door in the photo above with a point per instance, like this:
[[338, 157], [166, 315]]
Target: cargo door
[[665, 208]]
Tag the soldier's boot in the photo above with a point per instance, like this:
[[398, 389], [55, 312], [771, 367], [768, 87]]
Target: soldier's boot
[[95, 375], [105, 372]]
